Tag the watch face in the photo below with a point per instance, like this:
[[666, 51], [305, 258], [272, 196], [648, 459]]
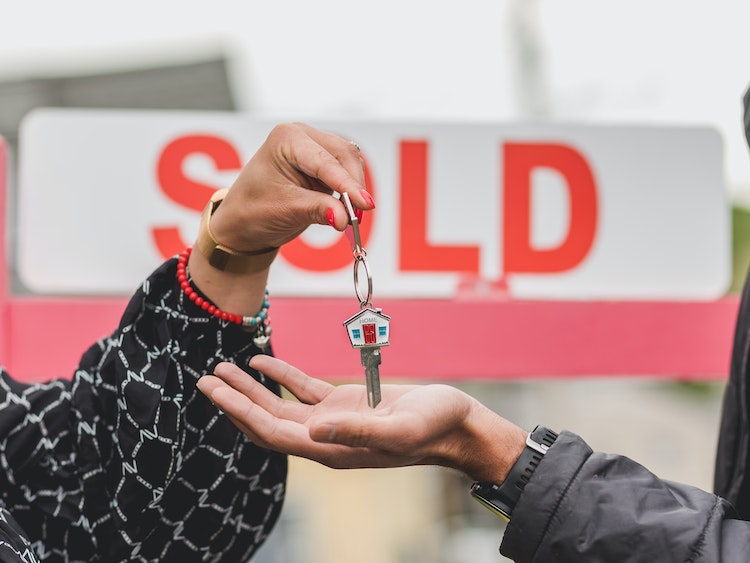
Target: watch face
[[479, 492]]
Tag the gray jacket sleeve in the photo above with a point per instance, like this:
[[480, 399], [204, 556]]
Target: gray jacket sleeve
[[582, 506]]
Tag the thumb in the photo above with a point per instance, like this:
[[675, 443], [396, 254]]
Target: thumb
[[328, 209], [316, 207], [345, 429]]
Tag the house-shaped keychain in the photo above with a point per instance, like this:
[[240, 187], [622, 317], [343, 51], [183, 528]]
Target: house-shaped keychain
[[369, 327]]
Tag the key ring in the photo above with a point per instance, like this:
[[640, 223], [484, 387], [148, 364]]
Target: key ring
[[360, 255], [360, 259]]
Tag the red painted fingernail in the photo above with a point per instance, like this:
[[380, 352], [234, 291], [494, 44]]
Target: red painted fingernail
[[368, 198], [359, 214], [331, 217]]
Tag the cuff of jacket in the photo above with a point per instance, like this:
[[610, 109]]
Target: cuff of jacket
[[542, 496]]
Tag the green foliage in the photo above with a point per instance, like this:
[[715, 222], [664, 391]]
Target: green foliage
[[740, 247]]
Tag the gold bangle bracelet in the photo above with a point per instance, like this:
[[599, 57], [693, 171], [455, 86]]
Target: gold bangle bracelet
[[223, 257]]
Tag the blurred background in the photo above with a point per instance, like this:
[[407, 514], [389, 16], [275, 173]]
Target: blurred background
[[581, 61]]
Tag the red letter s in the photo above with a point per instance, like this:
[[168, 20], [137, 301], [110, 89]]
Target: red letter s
[[183, 190]]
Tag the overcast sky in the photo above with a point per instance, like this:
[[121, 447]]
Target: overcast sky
[[640, 61]]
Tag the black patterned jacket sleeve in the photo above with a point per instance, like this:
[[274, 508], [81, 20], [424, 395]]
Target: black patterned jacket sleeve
[[128, 461]]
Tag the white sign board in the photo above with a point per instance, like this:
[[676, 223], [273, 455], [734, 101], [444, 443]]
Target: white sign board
[[550, 211]]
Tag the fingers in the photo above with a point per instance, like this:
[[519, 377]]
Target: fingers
[[273, 432], [332, 164], [252, 419], [307, 389], [345, 155], [259, 394]]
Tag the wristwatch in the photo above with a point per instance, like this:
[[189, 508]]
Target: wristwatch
[[501, 499]]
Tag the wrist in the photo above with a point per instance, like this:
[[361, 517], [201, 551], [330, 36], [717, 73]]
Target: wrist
[[502, 497], [222, 251], [491, 447], [240, 293]]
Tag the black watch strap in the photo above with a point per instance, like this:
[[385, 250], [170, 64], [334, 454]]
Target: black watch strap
[[501, 499]]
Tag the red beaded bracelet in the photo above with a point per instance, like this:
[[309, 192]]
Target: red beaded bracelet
[[259, 320]]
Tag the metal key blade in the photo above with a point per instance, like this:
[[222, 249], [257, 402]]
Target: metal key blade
[[371, 361]]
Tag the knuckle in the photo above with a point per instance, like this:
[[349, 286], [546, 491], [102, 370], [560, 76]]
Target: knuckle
[[282, 131], [359, 438]]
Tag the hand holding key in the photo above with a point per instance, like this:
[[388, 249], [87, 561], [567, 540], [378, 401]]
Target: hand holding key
[[369, 329]]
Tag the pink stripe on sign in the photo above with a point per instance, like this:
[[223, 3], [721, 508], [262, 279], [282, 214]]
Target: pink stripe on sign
[[432, 340]]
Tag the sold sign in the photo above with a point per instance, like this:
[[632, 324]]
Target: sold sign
[[557, 212]]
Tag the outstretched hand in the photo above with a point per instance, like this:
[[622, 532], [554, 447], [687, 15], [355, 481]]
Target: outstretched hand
[[333, 425]]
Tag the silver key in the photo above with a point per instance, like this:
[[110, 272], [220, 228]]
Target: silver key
[[371, 360], [369, 330]]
